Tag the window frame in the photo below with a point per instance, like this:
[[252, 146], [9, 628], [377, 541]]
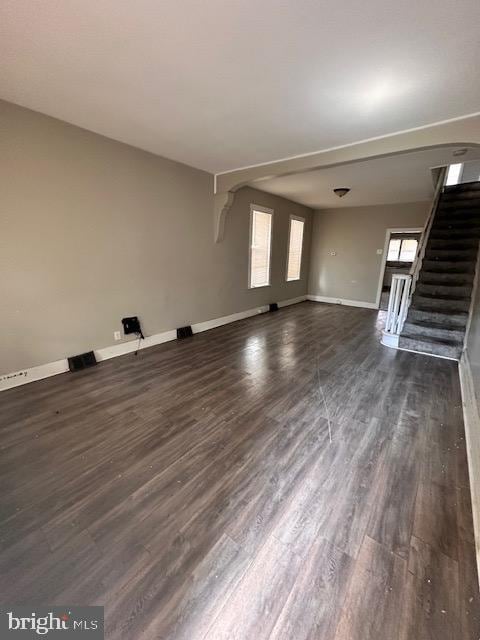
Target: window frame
[[300, 219], [402, 240], [256, 207]]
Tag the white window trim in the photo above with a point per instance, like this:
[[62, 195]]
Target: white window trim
[[300, 219], [257, 207]]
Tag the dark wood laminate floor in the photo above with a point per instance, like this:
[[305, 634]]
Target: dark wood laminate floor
[[194, 491]]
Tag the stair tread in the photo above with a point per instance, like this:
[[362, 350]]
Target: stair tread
[[446, 312]]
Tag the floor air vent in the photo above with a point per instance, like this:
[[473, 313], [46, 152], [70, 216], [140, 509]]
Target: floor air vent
[[184, 332], [83, 361]]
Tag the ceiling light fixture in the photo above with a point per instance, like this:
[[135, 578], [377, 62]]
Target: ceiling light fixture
[[460, 152], [341, 191]]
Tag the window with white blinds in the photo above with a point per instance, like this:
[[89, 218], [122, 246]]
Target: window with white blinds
[[260, 246], [295, 244]]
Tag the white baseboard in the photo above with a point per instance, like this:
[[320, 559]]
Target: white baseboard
[[348, 303], [218, 322], [286, 303], [17, 378], [115, 350], [24, 376], [471, 420]]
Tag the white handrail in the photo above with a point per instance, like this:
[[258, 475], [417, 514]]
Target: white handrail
[[398, 303], [422, 245]]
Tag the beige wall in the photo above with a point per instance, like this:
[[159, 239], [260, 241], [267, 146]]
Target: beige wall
[[92, 230], [355, 234]]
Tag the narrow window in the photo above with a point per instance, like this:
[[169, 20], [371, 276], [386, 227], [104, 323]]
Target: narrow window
[[453, 174], [295, 245], [260, 246]]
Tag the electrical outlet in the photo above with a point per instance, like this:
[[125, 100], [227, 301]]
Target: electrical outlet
[[117, 335]]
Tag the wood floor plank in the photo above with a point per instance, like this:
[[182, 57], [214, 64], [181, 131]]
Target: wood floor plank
[[314, 605], [393, 508], [436, 517], [469, 596], [259, 598], [372, 608], [431, 601]]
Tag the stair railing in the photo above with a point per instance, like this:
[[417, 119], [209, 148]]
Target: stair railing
[[403, 285], [422, 245], [398, 303]]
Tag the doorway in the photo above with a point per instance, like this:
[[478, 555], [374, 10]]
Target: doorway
[[399, 254]]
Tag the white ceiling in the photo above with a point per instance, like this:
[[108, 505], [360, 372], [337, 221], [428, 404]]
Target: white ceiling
[[222, 84], [402, 178]]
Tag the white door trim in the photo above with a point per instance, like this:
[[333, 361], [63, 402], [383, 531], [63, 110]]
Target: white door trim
[[388, 233]]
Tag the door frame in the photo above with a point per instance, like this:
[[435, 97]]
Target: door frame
[[388, 233]]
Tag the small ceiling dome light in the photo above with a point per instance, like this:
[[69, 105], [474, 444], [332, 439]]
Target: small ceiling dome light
[[460, 152], [341, 191]]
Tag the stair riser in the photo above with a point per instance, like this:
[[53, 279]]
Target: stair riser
[[458, 217], [457, 234], [466, 196], [464, 186], [453, 319], [444, 291], [448, 267], [455, 335], [467, 207], [439, 304], [460, 205], [466, 228], [439, 279], [431, 348], [455, 255], [451, 244]]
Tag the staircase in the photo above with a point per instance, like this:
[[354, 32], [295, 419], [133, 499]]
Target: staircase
[[438, 314]]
